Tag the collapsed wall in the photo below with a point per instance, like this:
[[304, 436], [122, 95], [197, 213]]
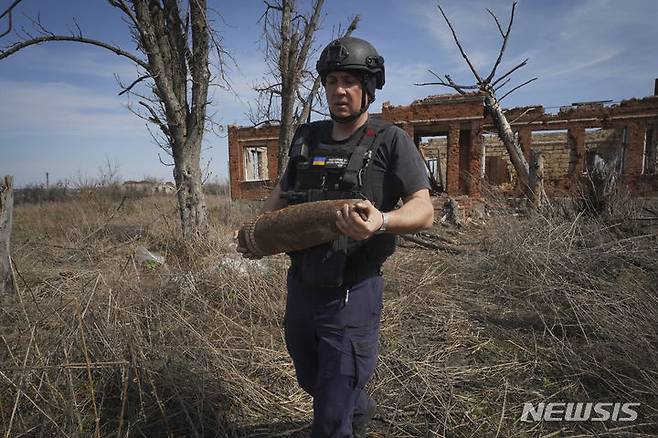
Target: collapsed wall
[[555, 146]]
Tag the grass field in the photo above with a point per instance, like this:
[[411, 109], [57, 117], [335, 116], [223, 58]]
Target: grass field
[[534, 308]]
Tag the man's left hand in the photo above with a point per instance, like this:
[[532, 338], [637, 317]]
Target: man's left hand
[[359, 221]]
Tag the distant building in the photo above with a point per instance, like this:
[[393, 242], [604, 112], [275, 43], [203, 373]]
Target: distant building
[[148, 187], [165, 188]]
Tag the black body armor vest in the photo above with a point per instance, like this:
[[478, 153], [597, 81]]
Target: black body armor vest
[[319, 171]]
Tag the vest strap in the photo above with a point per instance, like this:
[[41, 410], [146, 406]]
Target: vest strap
[[363, 153]]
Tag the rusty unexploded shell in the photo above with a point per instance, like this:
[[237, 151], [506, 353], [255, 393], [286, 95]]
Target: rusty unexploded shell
[[292, 228]]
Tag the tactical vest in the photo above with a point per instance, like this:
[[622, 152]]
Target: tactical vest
[[319, 171]]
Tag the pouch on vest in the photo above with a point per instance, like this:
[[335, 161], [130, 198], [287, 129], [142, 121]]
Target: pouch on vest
[[324, 265]]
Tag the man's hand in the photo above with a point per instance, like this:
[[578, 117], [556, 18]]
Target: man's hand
[[359, 221], [244, 251]]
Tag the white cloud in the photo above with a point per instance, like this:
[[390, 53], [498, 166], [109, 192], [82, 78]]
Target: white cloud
[[56, 109], [594, 40], [400, 88], [232, 106], [73, 58]]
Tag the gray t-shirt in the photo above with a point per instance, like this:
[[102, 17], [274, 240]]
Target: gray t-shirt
[[396, 171]]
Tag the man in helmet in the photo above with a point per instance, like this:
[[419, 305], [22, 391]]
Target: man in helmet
[[334, 296]]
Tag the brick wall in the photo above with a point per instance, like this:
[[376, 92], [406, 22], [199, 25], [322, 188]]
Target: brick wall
[[559, 159], [240, 138]]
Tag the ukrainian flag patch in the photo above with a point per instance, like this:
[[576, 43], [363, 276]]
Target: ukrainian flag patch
[[319, 161]]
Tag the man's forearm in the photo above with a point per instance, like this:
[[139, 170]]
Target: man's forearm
[[416, 214]]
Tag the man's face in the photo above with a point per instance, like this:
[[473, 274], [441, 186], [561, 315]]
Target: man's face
[[343, 91]]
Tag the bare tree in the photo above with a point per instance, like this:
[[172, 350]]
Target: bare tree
[[489, 85], [7, 284], [288, 95], [173, 39]]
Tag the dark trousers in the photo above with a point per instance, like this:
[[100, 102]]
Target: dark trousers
[[332, 336]]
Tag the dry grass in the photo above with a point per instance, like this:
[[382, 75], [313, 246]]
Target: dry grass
[[536, 308]]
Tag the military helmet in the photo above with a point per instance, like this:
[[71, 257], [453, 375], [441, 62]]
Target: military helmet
[[352, 54]]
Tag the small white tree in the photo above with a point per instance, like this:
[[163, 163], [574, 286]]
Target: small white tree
[[6, 209], [489, 85]]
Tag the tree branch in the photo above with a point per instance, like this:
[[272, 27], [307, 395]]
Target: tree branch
[[301, 17], [39, 40], [525, 61], [503, 84], [135, 82], [461, 49], [123, 6], [175, 108], [451, 84], [527, 110], [271, 6], [270, 87], [516, 88], [7, 13], [460, 88], [9, 26], [200, 48], [163, 162], [177, 41], [8, 10], [500, 29], [265, 122], [309, 31], [504, 45], [155, 118]]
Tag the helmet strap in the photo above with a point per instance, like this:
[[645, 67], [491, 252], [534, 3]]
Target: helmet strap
[[347, 119]]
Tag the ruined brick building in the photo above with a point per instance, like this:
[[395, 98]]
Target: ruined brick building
[[458, 141]]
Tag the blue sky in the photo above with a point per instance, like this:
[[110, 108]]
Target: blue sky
[[60, 113]]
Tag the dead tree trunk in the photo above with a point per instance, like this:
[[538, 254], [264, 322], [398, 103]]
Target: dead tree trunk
[[536, 179], [164, 38], [6, 210], [191, 200], [507, 136]]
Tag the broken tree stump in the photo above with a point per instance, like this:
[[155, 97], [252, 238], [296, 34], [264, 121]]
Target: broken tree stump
[[536, 192], [6, 210], [451, 212]]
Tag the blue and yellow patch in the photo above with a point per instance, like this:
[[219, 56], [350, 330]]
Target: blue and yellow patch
[[319, 161]]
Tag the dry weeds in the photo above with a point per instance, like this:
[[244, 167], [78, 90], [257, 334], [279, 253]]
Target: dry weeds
[[538, 308]]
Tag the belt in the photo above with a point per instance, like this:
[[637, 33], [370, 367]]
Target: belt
[[353, 275]]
